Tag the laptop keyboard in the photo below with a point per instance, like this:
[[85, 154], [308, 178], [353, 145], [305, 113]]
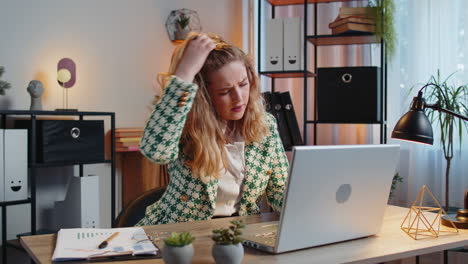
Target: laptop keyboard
[[263, 233]]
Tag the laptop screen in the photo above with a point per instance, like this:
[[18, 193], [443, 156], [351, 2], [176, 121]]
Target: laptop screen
[[335, 193]]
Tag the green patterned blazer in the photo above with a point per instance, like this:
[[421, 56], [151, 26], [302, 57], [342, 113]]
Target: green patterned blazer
[[188, 198]]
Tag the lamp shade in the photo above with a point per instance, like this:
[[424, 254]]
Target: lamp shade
[[63, 76], [66, 72], [414, 126]]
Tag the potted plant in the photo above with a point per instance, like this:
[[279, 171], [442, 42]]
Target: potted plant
[[228, 247], [178, 248], [3, 84], [383, 12], [453, 98], [396, 179], [182, 27]]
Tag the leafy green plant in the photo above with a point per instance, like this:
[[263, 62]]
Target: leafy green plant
[[396, 179], [183, 21], [3, 84], [179, 239], [230, 235], [455, 99], [383, 11]]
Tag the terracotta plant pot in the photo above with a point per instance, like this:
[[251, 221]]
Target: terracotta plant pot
[[228, 254], [178, 255]]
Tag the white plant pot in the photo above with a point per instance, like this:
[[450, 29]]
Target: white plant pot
[[178, 255], [181, 34], [228, 254]]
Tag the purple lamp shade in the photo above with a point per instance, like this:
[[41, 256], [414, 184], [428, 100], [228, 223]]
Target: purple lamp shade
[[69, 65]]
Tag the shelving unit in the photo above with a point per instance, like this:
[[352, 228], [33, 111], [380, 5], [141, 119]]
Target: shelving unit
[[318, 41], [33, 164]]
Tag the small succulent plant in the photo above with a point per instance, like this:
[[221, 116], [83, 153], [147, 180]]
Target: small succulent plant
[[3, 84], [179, 239], [230, 235], [183, 21]]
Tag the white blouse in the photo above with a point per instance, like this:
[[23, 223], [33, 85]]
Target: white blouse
[[230, 183]]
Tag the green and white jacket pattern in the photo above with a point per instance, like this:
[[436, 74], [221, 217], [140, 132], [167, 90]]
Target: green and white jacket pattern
[[187, 198]]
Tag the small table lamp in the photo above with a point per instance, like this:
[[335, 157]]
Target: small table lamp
[[415, 126], [66, 77]]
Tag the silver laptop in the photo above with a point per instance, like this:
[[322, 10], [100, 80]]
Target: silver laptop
[[333, 194]]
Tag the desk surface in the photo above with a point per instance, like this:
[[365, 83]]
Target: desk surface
[[390, 244]]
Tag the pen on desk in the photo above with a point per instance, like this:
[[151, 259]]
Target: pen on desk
[[105, 242]]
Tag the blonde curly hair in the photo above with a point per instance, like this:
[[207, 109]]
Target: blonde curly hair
[[203, 138]]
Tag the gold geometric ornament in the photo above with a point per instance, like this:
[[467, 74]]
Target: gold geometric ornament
[[424, 220]]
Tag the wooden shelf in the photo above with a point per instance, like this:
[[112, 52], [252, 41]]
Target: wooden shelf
[[348, 39], [343, 122], [300, 2], [287, 74]]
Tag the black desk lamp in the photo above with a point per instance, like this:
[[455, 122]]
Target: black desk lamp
[[415, 126]]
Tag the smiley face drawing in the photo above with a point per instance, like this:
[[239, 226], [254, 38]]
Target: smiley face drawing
[[274, 60], [14, 187], [292, 59]]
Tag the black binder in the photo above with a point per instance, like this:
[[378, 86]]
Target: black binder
[[275, 107], [291, 119]]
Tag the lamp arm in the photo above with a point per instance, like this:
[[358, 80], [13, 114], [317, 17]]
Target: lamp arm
[[440, 109], [422, 88], [431, 84]]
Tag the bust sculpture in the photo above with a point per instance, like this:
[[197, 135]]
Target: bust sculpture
[[35, 89]]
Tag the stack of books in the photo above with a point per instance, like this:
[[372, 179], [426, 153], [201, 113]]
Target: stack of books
[[128, 139], [352, 19]]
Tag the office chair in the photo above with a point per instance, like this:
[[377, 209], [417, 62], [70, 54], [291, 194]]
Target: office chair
[[135, 210]]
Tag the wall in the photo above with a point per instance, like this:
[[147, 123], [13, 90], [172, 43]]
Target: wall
[[118, 45]]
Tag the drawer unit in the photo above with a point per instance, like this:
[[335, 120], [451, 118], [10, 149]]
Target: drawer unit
[[349, 95], [68, 140]]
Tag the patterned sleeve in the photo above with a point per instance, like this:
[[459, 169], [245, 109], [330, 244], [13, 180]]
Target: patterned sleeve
[[160, 141], [280, 166]]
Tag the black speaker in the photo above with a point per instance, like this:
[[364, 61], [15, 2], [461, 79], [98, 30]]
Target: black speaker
[[349, 95]]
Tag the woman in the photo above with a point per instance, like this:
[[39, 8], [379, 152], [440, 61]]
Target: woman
[[222, 149]]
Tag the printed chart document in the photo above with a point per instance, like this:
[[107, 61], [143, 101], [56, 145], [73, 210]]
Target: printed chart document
[[83, 243]]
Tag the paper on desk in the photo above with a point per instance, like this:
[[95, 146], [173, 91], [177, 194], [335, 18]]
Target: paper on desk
[[82, 243]]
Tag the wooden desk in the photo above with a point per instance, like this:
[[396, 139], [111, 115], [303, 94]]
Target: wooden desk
[[390, 244]]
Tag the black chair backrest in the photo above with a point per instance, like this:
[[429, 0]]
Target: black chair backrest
[[136, 209]]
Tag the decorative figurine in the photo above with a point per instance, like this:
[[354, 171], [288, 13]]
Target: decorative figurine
[[35, 89], [425, 220]]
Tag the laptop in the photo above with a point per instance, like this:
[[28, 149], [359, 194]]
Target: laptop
[[333, 194]]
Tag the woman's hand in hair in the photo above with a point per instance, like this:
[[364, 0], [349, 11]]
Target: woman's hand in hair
[[194, 57]]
